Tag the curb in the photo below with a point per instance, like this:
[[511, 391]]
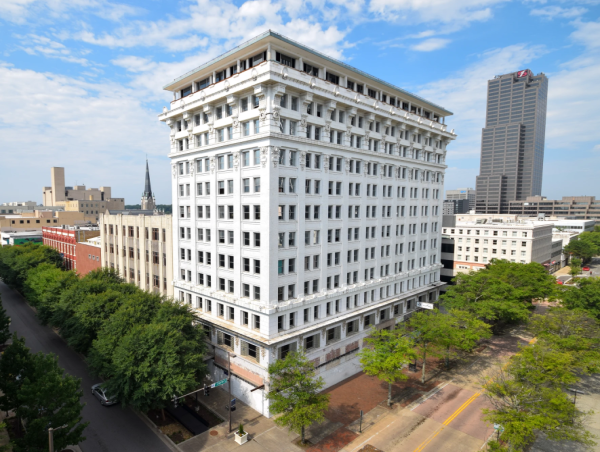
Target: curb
[[426, 396], [164, 438]]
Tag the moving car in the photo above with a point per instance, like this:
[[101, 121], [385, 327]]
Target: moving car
[[586, 269], [101, 395], [558, 281]]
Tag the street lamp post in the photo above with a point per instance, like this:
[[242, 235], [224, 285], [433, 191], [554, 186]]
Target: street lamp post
[[229, 356], [51, 436]]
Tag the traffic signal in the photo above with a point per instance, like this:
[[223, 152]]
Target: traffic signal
[[206, 390]]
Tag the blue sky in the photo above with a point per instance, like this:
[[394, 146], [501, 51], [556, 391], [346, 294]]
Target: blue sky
[[80, 80]]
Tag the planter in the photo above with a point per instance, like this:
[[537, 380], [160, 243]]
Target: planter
[[241, 439]]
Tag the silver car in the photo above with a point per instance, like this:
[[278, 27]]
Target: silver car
[[101, 395]]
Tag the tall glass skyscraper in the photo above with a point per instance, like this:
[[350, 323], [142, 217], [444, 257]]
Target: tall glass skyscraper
[[512, 142]]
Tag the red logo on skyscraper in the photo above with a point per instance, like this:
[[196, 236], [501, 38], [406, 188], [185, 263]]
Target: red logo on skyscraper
[[524, 73]]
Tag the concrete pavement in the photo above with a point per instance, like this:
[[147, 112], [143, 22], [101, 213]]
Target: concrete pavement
[[111, 428]]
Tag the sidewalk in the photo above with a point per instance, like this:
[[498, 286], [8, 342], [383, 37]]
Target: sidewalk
[[263, 434]]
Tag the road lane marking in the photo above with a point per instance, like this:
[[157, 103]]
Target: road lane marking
[[447, 422]]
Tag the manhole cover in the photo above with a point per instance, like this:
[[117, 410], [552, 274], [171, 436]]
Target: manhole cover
[[213, 433]]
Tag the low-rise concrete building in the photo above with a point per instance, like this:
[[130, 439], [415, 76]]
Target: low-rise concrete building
[[471, 241], [573, 207], [37, 219], [16, 238], [91, 201]]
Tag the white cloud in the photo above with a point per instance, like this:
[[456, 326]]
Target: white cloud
[[553, 12], [42, 45], [573, 110], [99, 132], [430, 44], [448, 12], [204, 24], [587, 33], [28, 11]]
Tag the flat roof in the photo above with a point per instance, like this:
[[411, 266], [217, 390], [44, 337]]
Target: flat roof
[[270, 33]]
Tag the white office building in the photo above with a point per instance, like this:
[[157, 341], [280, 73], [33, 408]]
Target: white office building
[[471, 241], [306, 206]]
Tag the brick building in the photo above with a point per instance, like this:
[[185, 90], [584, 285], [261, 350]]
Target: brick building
[[65, 239], [88, 256]]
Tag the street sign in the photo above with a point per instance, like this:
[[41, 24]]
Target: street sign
[[218, 383], [499, 427], [424, 305]]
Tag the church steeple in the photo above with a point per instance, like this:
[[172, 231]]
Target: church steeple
[[148, 202]]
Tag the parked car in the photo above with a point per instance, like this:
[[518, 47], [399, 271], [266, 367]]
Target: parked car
[[586, 269], [101, 395], [558, 281]]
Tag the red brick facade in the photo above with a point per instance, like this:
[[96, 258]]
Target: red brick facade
[[66, 242], [88, 258]]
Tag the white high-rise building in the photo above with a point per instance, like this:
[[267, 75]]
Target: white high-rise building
[[306, 206]]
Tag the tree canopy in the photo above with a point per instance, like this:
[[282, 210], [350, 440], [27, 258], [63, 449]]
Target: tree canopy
[[4, 324], [49, 398], [502, 292], [147, 346], [384, 354], [586, 296], [583, 246], [530, 394], [295, 393]]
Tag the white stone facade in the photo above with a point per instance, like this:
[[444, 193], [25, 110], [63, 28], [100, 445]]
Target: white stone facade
[[311, 213]]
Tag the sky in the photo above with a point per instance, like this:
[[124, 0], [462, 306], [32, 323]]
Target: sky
[[81, 80]]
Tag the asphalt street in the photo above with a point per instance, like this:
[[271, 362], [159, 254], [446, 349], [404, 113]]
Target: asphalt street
[[111, 428]]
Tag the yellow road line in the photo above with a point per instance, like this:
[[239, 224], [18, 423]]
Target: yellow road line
[[447, 421]]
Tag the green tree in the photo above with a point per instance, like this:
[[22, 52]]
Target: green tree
[[44, 286], [527, 396], [530, 281], [139, 308], [49, 398], [427, 327], [583, 249], [84, 307], [487, 297], [4, 324], [385, 354], [572, 331], [575, 267], [295, 393], [153, 361], [584, 297], [15, 365], [461, 331], [33, 256]]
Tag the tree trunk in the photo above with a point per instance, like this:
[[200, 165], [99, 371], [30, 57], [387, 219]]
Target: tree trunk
[[302, 435], [389, 394], [164, 418], [448, 357], [423, 370]]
